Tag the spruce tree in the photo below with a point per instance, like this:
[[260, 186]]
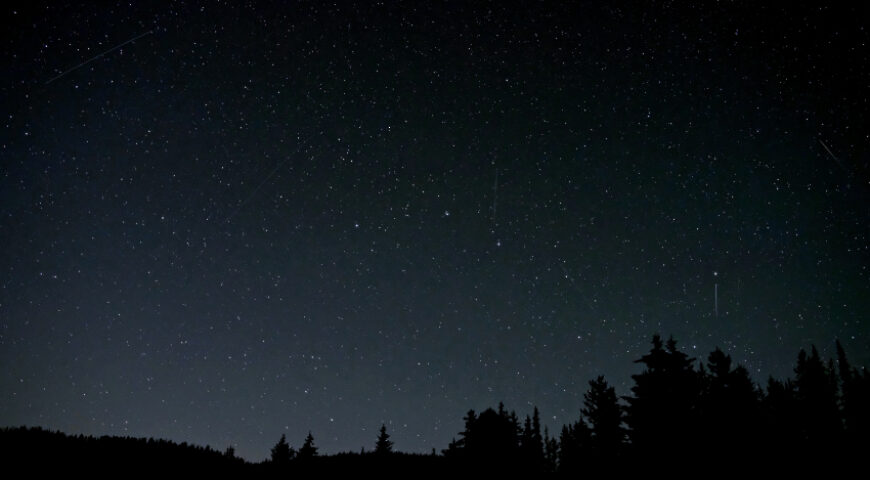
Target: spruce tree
[[551, 452], [854, 401], [816, 394], [662, 411], [730, 409], [281, 452], [383, 446], [604, 414], [308, 450], [573, 442]]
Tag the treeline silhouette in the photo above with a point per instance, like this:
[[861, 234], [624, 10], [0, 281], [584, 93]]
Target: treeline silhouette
[[681, 411], [36, 449]]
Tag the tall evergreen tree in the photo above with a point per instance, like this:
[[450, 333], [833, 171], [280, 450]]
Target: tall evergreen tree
[[384, 446], [282, 453], [604, 414], [490, 441], [515, 429], [730, 409], [308, 450], [531, 443], [573, 442], [551, 452], [843, 364], [526, 440], [661, 413], [537, 438], [855, 404], [467, 435], [817, 403]]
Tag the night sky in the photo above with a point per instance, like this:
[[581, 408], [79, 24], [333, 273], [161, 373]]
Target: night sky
[[224, 223]]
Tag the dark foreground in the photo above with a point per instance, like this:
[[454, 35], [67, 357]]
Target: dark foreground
[[682, 415]]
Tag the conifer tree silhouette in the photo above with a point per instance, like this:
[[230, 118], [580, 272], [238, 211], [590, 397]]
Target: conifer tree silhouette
[[730, 409], [817, 405], [604, 414], [514, 428], [490, 442], [493, 442], [525, 443], [855, 405], [383, 446], [308, 450], [282, 453], [531, 443], [537, 440], [661, 414], [468, 440], [551, 452], [573, 442]]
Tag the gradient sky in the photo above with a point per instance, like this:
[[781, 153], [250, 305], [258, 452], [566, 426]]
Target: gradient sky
[[224, 223]]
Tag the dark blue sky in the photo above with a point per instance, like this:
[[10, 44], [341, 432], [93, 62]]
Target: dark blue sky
[[262, 219]]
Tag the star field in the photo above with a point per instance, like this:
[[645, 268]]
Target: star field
[[225, 222]]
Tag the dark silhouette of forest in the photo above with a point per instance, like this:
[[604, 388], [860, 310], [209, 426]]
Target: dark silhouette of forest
[[682, 412]]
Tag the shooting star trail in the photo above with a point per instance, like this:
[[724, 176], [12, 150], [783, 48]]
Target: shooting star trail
[[251, 195], [576, 288], [98, 56], [834, 157], [265, 180]]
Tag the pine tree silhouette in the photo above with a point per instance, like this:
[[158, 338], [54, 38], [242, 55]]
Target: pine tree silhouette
[[527, 449], [551, 452], [817, 404], [604, 414], [662, 412], [515, 431], [308, 450], [730, 410], [573, 442], [855, 404], [491, 442], [537, 449], [531, 443], [383, 446], [282, 453]]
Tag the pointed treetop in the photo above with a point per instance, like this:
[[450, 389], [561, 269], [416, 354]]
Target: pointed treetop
[[308, 449], [384, 445], [281, 452], [845, 368]]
